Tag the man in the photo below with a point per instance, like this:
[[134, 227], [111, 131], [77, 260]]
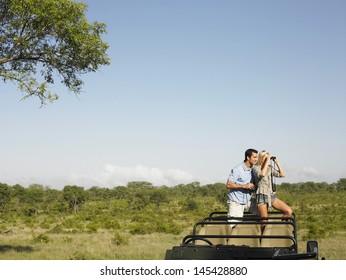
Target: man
[[240, 185]]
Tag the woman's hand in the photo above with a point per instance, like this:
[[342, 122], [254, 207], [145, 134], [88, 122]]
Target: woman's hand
[[266, 157]]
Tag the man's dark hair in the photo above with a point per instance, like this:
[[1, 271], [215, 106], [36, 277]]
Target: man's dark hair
[[249, 152]]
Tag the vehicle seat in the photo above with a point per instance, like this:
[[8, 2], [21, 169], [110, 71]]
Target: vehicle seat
[[214, 229], [277, 229], [246, 229]]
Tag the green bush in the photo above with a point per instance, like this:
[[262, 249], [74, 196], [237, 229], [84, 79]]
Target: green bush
[[191, 205], [110, 224], [120, 239], [92, 227], [314, 232], [142, 228], [41, 238], [168, 227]]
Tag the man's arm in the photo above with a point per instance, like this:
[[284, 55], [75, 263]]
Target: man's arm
[[231, 185]]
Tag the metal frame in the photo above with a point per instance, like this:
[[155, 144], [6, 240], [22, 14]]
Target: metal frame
[[190, 250]]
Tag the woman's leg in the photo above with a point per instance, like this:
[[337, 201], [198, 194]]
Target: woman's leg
[[283, 207], [263, 212]]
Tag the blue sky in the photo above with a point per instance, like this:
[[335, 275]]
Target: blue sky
[[192, 84]]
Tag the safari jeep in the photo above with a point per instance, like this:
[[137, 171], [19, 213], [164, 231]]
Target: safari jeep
[[218, 238]]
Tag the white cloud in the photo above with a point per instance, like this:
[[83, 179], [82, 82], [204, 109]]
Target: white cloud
[[302, 174], [110, 176], [309, 172], [115, 175]]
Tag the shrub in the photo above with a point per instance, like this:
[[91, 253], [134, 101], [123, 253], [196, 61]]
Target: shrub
[[314, 232], [191, 205], [41, 238], [142, 228], [112, 225], [120, 239], [92, 227], [168, 227]]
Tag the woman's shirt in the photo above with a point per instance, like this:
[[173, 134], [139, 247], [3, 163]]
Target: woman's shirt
[[264, 183]]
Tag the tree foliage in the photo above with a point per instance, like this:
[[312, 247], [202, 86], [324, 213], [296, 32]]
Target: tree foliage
[[45, 40], [75, 196], [142, 208], [4, 195], [341, 184]]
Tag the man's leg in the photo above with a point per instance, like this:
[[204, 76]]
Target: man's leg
[[234, 210]]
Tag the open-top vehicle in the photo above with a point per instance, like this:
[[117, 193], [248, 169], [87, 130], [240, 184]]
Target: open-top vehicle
[[222, 237]]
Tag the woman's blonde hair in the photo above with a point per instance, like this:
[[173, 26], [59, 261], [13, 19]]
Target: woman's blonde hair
[[261, 154]]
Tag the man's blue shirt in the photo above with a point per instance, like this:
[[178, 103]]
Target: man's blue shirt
[[240, 175]]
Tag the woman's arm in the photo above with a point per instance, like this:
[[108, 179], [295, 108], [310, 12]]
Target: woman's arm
[[265, 164], [281, 172]]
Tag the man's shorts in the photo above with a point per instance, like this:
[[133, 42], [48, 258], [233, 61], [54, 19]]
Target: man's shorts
[[235, 209]]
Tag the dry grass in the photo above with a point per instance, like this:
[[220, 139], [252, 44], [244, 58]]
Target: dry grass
[[333, 248], [24, 244]]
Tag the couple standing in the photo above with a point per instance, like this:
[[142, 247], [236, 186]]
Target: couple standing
[[255, 174]]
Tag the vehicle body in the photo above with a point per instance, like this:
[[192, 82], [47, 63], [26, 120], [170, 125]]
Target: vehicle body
[[219, 237]]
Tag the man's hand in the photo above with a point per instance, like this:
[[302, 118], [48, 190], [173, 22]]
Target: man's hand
[[249, 186]]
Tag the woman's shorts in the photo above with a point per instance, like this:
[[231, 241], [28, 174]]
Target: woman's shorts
[[263, 199]]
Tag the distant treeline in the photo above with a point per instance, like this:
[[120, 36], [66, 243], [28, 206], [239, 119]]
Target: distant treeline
[[142, 208], [37, 198]]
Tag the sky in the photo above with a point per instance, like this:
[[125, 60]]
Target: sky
[[192, 84]]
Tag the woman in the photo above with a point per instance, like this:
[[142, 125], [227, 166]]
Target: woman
[[265, 195]]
